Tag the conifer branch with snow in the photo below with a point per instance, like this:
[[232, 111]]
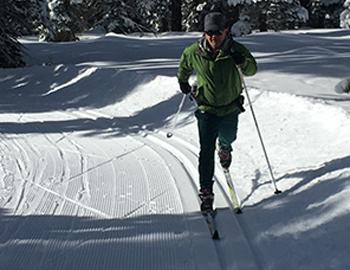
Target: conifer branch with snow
[[10, 48]]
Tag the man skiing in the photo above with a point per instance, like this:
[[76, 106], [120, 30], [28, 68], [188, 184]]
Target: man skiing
[[216, 59]]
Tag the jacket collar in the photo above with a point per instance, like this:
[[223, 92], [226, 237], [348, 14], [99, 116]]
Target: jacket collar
[[205, 50]]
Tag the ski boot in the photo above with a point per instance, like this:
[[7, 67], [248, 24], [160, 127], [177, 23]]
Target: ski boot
[[206, 196], [225, 157]]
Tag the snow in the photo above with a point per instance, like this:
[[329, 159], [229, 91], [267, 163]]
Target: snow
[[88, 179]]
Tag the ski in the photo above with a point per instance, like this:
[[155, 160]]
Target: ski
[[210, 219], [233, 195]]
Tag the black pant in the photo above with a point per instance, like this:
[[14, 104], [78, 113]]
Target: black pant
[[212, 127]]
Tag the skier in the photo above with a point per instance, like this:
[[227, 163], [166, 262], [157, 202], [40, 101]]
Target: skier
[[216, 59]]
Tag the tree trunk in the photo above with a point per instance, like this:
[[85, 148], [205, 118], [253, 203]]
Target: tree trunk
[[262, 23], [176, 15]]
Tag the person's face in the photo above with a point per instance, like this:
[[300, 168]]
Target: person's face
[[215, 39]]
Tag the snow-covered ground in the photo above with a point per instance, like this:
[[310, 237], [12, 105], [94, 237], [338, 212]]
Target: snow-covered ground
[[88, 179]]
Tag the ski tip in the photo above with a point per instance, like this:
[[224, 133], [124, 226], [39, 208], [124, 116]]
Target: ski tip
[[216, 235]]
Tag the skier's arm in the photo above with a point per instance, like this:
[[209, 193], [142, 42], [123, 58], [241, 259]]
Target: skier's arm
[[249, 66], [185, 68]]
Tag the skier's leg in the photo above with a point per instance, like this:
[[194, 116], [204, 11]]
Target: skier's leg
[[227, 133], [207, 127]]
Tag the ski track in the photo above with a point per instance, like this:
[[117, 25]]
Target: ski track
[[223, 253], [27, 172], [108, 161], [78, 186], [151, 166], [188, 197], [150, 207]]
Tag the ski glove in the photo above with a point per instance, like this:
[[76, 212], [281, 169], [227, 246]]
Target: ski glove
[[238, 58], [185, 87]]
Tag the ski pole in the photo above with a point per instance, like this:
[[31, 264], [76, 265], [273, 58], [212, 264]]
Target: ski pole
[[258, 130], [170, 133]]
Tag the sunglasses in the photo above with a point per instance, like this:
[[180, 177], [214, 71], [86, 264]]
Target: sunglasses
[[214, 33]]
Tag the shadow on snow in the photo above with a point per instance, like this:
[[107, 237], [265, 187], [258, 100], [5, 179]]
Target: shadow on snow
[[306, 226], [150, 119], [71, 242], [124, 63], [299, 223]]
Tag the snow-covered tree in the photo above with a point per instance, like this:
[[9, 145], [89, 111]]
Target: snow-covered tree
[[27, 11], [296, 14], [230, 8], [56, 20], [121, 16], [85, 14], [273, 14], [192, 12], [10, 49], [286, 14], [155, 14], [345, 16], [325, 13], [240, 22], [242, 27], [316, 14], [257, 14], [275, 18], [60, 20]]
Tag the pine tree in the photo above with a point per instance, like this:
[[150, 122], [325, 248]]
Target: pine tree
[[162, 13], [296, 15], [332, 12], [317, 14], [345, 16], [27, 10], [192, 18], [286, 14], [258, 15], [86, 14], [274, 16], [195, 11], [325, 13], [226, 7], [56, 20], [240, 20], [176, 15], [121, 16], [10, 49], [154, 14]]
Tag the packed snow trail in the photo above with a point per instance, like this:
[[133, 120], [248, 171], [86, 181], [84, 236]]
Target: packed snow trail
[[98, 180], [139, 169]]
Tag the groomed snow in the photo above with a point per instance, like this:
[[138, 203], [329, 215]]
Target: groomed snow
[[88, 179]]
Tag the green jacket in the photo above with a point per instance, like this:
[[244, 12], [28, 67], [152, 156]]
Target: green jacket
[[219, 83]]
